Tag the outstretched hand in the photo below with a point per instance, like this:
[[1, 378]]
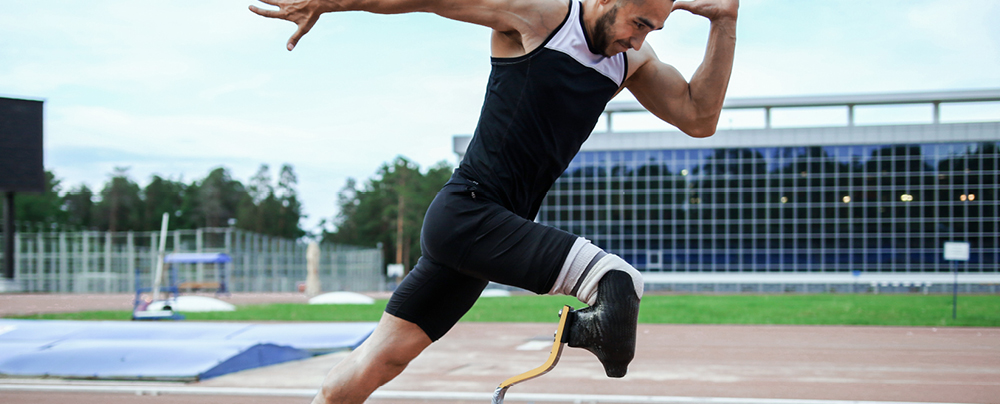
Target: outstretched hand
[[711, 9], [303, 13]]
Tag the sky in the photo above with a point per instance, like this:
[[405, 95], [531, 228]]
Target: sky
[[179, 88]]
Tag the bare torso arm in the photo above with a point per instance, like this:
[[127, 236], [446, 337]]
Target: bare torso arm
[[694, 106], [518, 25]]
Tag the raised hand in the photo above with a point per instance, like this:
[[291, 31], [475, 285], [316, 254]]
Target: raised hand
[[303, 13], [711, 9]]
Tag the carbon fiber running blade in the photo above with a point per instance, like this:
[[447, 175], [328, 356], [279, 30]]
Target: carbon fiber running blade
[[557, 349]]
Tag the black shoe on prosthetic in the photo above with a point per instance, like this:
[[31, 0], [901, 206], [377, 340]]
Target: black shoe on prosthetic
[[607, 329]]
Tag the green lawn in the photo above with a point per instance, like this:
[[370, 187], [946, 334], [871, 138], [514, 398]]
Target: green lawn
[[806, 309]]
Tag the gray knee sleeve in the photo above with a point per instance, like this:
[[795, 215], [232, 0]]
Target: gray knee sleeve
[[588, 286], [584, 267]]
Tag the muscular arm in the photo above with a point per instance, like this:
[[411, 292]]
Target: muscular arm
[[693, 107], [524, 17]]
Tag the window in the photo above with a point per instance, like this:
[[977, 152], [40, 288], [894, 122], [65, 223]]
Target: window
[[872, 207]]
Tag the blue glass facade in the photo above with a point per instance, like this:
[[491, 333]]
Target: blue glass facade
[[876, 208]]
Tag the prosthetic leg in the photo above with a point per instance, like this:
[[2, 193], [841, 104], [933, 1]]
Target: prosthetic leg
[[607, 329], [561, 338]]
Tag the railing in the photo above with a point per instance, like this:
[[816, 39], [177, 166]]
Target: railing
[[849, 101], [108, 262]]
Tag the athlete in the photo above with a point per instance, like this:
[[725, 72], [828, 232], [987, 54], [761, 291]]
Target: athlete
[[556, 64]]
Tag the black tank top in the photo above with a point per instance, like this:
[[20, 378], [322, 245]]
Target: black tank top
[[539, 109]]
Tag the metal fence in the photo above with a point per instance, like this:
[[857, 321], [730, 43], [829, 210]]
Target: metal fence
[[108, 262]]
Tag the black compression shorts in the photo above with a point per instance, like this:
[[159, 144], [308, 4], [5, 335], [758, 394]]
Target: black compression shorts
[[467, 241]]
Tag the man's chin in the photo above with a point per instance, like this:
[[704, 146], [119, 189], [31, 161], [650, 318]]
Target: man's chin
[[614, 49]]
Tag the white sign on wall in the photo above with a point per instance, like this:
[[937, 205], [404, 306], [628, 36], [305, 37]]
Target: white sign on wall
[[393, 270], [956, 251]]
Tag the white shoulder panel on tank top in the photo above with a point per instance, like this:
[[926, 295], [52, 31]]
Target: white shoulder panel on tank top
[[572, 41]]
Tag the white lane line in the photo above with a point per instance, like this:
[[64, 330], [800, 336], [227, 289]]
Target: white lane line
[[424, 395], [535, 345]]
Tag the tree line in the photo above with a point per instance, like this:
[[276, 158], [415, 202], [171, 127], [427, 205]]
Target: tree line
[[217, 200], [386, 209]]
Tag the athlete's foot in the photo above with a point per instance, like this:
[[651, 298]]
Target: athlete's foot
[[607, 329]]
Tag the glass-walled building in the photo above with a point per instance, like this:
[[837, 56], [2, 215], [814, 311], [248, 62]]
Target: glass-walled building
[[828, 199], [885, 208]]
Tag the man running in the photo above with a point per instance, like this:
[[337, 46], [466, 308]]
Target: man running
[[556, 64]]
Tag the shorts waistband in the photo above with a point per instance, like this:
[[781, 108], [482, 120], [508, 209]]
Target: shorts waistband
[[472, 186]]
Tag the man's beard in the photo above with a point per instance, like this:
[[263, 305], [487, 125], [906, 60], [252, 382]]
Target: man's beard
[[602, 31]]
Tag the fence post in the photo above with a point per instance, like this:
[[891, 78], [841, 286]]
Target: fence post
[[247, 265], [83, 278], [154, 240], [291, 266], [267, 271], [240, 248], [258, 263], [63, 263], [285, 267], [18, 276], [107, 263], [176, 249], [268, 263], [199, 246], [253, 264], [41, 281], [227, 248], [250, 263], [279, 264], [26, 257], [130, 258]]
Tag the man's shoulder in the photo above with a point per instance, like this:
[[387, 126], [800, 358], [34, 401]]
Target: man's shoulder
[[542, 6], [638, 58], [536, 20], [551, 13]]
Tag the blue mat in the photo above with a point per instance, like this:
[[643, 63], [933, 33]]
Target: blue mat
[[162, 351]]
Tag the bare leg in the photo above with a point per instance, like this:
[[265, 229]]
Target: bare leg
[[393, 344]]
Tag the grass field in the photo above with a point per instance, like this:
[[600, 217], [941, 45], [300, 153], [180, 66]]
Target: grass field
[[811, 309]]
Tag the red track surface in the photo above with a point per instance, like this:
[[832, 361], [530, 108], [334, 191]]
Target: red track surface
[[918, 364]]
